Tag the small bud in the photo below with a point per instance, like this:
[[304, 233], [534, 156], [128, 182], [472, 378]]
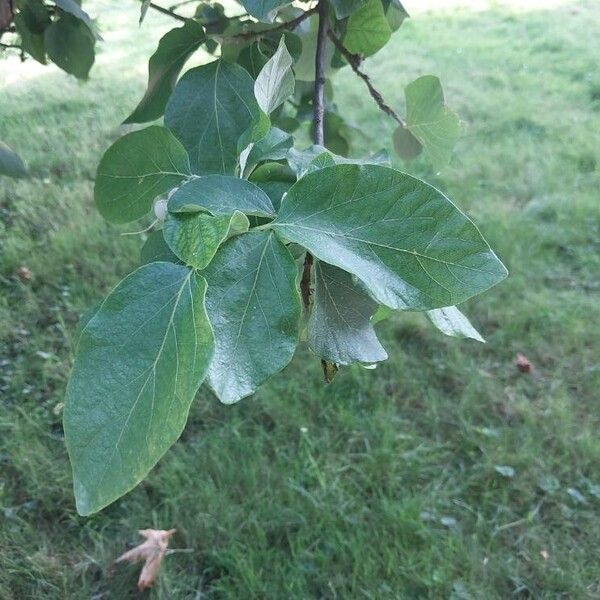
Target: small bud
[[160, 208]]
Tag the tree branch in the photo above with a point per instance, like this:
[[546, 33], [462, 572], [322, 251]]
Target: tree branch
[[287, 26], [354, 60], [168, 12], [318, 122]]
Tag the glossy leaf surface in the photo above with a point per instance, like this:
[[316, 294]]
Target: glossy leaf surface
[[140, 360], [404, 239], [221, 195], [254, 307], [210, 108]]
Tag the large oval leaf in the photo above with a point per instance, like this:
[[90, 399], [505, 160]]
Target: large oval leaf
[[339, 326], [404, 239], [254, 307], [70, 45], [221, 195], [164, 66], [140, 360], [264, 10], [135, 170], [210, 108], [367, 30]]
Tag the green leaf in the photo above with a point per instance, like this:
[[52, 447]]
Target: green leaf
[[430, 121], [71, 7], [70, 45], [410, 246], [317, 157], [274, 179], [174, 49], [253, 59], [155, 249], [344, 8], [275, 82], [139, 362], [254, 307], [11, 163], [258, 129], [339, 325], [30, 22], [406, 145], [221, 195], [135, 170], [144, 9], [196, 237], [367, 30], [274, 146], [395, 13], [264, 10], [450, 321], [210, 108]]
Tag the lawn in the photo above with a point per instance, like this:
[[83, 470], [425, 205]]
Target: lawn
[[445, 473]]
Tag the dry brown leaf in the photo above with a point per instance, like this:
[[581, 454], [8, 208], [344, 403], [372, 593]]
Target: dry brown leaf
[[24, 274], [152, 551], [523, 363]]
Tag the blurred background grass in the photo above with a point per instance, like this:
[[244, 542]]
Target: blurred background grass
[[445, 473]]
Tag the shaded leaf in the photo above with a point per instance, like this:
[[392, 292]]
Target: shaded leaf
[[406, 145], [70, 45], [152, 550], [30, 22], [71, 7], [210, 108], [339, 325], [135, 170], [410, 246], [274, 146], [344, 8], [264, 10], [155, 249], [196, 237], [11, 163], [367, 30], [275, 180], [254, 307], [450, 321], [139, 362], [164, 66], [221, 195]]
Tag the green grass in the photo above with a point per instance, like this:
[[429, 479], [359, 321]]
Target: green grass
[[382, 485]]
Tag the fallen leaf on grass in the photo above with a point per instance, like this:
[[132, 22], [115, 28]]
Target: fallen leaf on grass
[[523, 363], [152, 551], [24, 274]]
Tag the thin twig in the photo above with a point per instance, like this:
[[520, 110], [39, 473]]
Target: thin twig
[[287, 26], [168, 12], [5, 46], [319, 94], [354, 60], [318, 122]]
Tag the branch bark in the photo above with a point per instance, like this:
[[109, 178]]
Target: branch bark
[[318, 123], [168, 12], [354, 60], [287, 26]]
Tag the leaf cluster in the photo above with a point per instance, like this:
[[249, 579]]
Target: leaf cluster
[[258, 244]]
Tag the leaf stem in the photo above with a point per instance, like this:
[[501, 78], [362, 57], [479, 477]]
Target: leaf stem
[[354, 60], [168, 12]]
